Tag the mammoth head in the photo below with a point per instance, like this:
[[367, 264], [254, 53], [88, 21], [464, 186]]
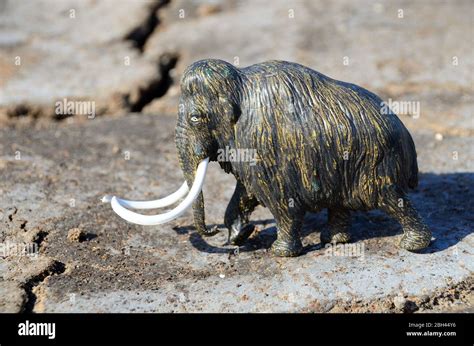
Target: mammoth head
[[208, 109], [209, 106]]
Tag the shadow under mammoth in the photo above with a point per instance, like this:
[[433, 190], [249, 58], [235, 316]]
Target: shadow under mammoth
[[445, 201]]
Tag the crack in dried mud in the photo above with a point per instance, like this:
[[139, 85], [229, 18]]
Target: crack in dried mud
[[157, 86], [54, 268], [140, 35]]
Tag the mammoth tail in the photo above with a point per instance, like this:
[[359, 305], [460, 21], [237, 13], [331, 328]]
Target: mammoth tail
[[413, 164], [413, 179]]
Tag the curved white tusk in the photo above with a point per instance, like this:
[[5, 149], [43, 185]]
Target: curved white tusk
[[157, 203], [150, 220]]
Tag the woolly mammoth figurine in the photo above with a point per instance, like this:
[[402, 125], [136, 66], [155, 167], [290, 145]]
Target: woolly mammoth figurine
[[318, 143]]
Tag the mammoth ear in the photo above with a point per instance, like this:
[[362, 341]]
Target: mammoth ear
[[232, 110], [236, 113]]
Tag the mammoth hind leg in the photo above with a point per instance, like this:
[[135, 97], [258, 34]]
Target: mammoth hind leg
[[416, 235], [338, 225], [237, 215]]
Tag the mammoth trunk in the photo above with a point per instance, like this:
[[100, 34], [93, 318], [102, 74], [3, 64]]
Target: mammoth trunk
[[189, 163], [195, 173]]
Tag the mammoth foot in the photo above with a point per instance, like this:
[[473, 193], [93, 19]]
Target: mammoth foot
[[238, 234], [287, 249], [335, 238], [415, 240]]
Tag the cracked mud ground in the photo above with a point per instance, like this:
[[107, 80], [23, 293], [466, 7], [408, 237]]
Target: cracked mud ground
[[83, 258], [65, 170]]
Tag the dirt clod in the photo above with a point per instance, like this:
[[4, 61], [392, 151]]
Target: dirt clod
[[399, 302], [76, 235]]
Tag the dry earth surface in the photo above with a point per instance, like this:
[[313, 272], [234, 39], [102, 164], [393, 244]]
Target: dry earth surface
[[127, 57]]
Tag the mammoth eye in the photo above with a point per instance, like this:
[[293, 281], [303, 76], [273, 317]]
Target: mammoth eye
[[195, 119]]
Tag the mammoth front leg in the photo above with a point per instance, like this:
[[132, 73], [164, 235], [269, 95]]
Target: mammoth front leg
[[237, 215], [288, 243]]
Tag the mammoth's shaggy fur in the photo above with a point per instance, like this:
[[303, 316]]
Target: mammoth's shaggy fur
[[319, 143]]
